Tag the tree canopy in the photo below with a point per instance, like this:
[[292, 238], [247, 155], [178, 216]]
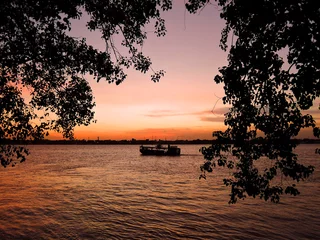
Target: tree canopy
[[39, 56], [267, 92]]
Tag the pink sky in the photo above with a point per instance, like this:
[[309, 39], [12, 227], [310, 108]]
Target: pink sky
[[180, 105]]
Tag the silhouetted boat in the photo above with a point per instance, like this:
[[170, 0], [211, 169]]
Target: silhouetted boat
[[160, 150]]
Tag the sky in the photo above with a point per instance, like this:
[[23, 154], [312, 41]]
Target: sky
[[185, 104]]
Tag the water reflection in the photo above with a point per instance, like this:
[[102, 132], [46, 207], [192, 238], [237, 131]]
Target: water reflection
[[112, 192]]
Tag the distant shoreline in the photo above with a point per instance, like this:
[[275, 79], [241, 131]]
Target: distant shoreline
[[133, 142]]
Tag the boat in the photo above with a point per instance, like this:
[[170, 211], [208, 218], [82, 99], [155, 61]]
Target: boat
[[160, 150]]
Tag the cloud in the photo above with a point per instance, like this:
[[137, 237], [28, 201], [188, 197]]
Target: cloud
[[313, 112], [220, 111], [212, 119], [171, 113], [164, 113]]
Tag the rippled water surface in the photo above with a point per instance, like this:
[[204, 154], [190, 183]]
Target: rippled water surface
[[112, 192]]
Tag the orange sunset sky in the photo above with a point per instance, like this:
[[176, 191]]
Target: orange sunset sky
[[185, 103]]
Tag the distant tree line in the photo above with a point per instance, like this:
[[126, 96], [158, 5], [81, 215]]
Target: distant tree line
[[139, 142]]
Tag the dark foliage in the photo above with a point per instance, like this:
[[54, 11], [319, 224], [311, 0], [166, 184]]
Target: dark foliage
[[38, 57], [266, 92]]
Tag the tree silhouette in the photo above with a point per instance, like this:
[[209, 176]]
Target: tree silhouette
[[266, 92], [38, 56]]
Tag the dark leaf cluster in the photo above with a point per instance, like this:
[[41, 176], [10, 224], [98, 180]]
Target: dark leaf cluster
[[273, 73], [43, 68]]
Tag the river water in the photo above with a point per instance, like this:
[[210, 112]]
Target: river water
[[112, 192]]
